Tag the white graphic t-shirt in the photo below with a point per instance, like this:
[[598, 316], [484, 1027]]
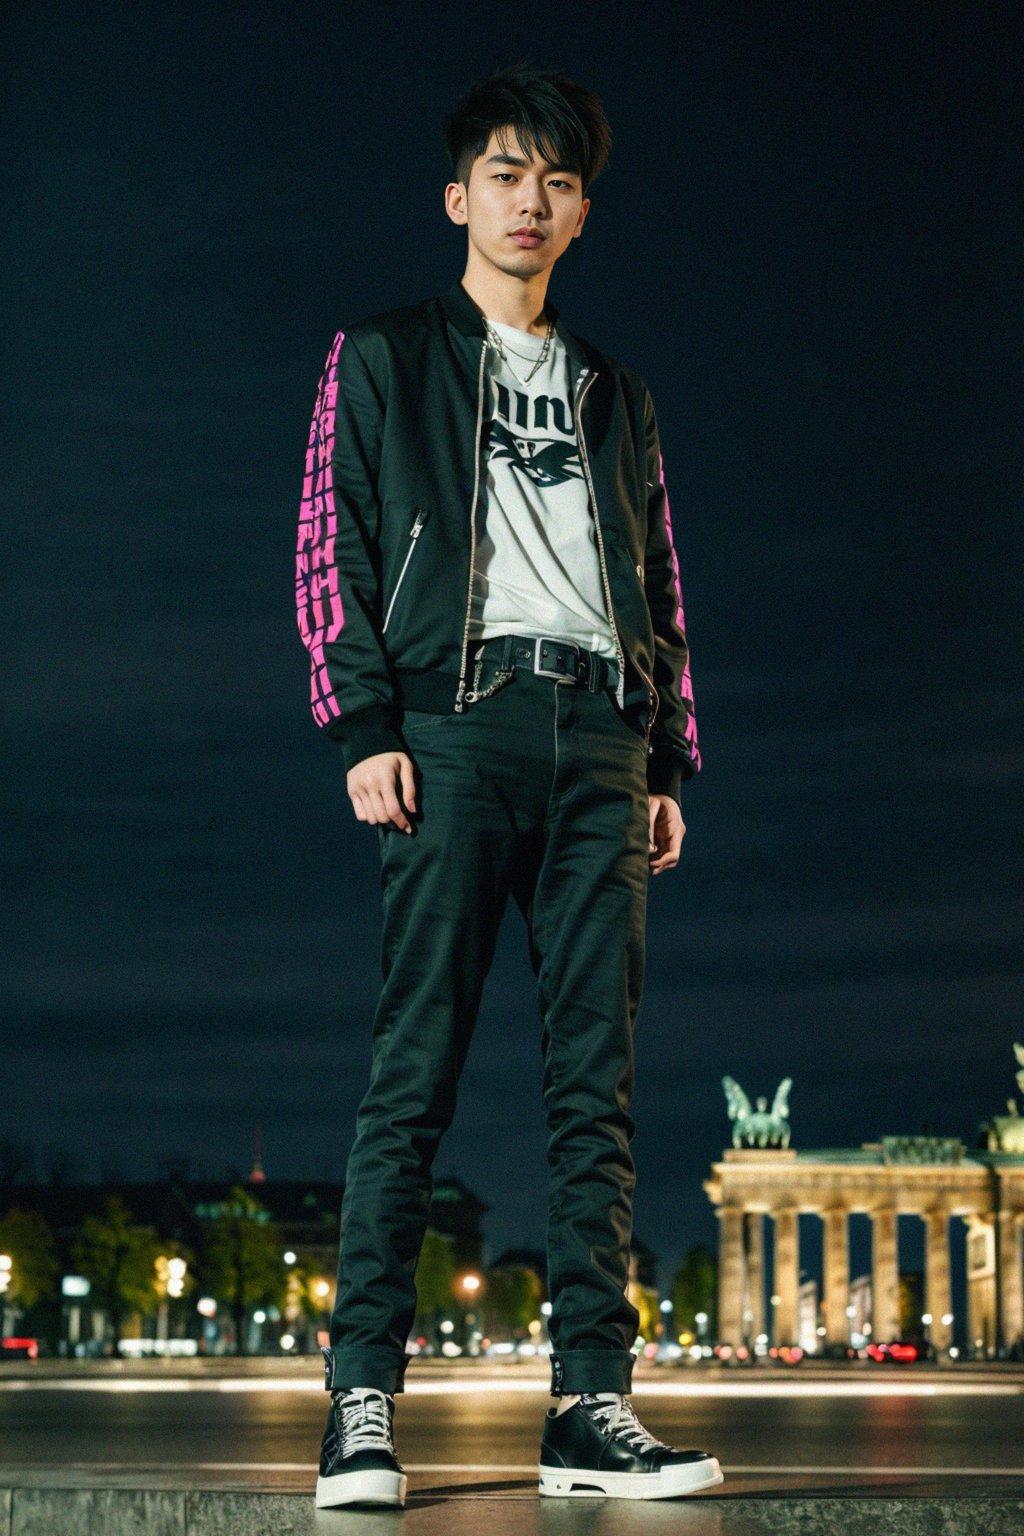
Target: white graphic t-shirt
[[536, 569]]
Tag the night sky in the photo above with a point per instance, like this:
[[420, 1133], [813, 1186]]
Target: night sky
[[808, 243]]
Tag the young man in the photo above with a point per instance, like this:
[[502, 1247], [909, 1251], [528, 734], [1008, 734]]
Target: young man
[[489, 594]]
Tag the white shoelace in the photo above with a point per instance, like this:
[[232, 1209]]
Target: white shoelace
[[617, 1416], [364, 1419]]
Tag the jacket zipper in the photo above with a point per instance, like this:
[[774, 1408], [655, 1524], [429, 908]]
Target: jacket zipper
[[459, 705], [414, 533], [651, 691]]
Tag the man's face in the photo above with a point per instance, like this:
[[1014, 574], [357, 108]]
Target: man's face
[[508, 192]]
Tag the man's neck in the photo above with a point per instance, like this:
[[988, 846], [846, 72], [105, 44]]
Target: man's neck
[[509, 300]]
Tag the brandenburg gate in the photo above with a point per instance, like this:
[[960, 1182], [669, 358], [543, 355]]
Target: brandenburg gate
[[934, 1178]]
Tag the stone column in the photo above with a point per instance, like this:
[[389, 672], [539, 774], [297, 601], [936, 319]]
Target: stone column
[[885, 1275], [755, 1272], [936, 1279], [836, 1268], [730, 1274], [981, 1282], [1011, 1276], [786, 1279]]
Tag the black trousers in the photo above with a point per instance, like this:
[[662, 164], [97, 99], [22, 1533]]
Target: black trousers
[[537, 790]]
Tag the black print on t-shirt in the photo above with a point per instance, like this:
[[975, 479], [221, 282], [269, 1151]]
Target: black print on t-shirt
[[542, 461]]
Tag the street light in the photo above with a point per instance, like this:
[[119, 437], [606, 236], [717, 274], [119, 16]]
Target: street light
[[469, 1284], [776, 1301], [6, 1270], [321, 1291], [73, 1290]]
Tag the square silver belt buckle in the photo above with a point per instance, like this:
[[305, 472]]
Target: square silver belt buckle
[[550, 671]]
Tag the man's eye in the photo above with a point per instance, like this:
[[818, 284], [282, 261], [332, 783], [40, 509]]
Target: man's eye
[[556, 181]]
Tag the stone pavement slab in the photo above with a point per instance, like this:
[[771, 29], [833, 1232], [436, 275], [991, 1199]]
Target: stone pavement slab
[[515, 1508], [81, 1512]]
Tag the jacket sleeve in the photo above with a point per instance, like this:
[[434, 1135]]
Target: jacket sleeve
[[337, 569], [674, 754]]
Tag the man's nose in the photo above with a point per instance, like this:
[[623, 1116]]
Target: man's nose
[[533, 198]]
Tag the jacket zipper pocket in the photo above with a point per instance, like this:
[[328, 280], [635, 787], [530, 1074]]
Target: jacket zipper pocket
[[655, 701], [414, 533]]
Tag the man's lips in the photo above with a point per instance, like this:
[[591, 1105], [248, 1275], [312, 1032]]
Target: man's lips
[[527, 236]]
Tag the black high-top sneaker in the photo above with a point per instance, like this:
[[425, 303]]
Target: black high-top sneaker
[[358, 1464], [598, 1449]]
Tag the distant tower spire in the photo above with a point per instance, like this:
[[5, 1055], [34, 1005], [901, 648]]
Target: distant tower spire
[[257, 1176]]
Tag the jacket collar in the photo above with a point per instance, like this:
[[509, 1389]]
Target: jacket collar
[[463, 313]]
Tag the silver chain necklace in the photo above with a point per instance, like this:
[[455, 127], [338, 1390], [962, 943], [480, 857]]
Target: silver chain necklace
[[500, 345]]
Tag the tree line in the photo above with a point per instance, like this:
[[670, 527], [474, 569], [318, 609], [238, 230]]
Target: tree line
[[131, 1270], [241, 1266]]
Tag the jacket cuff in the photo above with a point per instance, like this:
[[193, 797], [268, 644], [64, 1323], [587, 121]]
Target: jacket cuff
[[365, 733], [666, 772]]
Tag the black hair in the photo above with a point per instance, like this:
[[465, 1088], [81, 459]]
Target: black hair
[[547, 111]]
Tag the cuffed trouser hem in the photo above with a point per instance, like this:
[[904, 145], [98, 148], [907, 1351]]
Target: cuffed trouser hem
[[591, 1370], [364, 1368]]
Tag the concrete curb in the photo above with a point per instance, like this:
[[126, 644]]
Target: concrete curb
[[148, 1512]]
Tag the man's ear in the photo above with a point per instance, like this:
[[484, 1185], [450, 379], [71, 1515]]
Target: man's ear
[[456, 194]]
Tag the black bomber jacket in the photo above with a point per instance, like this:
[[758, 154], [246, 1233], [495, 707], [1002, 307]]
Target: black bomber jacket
[[388, 528]]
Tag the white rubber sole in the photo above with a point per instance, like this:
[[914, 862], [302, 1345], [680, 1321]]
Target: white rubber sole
[[671, 1483], [375, 1485]]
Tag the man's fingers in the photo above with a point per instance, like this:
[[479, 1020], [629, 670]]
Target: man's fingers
[[408, 778], [359, 804], [666, 832], [675, 844], [371, 788], [388, 806], [669, 858]]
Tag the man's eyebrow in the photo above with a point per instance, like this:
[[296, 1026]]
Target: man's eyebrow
[[518, 160]]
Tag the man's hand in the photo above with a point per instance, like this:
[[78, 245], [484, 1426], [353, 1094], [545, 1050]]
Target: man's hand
[[371, 788], [666, 830]]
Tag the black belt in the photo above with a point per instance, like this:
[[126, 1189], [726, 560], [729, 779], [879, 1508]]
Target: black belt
[[546, 656]]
